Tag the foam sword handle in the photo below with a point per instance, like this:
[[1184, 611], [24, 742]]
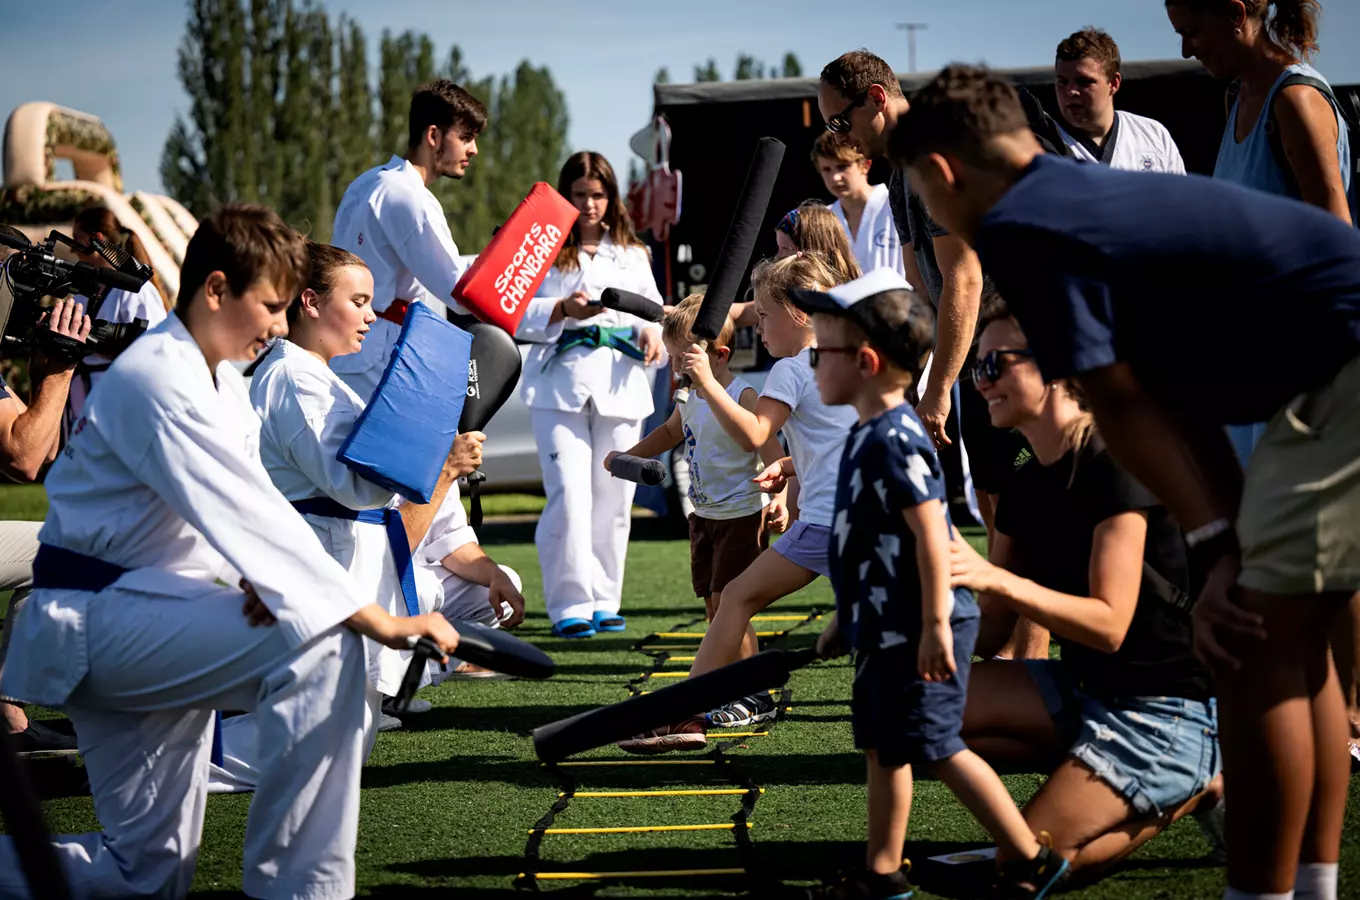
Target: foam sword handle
[[737, 247], [635, 304], [480, 645], [637, 469], [609, 724]]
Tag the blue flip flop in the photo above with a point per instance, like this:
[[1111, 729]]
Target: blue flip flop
[[573, 628], [605, 622]]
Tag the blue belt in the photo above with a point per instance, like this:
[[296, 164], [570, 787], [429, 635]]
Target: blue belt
[[595, 337], [57, 567], [396, 536]]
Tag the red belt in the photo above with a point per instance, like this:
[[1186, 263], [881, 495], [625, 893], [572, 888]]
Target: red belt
[[396, 311]]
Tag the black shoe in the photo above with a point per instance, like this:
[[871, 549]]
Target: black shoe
[[37, 738], [864, 885], [1032, 879], [414, 707]]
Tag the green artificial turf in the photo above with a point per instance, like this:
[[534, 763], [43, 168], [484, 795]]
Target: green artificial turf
[[448, 802]]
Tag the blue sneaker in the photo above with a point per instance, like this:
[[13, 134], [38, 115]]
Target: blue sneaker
[[605, 622], [573, 628]]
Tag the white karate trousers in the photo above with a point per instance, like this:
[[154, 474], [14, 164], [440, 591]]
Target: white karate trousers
[[158, 667], [240, 769], [582, 536]]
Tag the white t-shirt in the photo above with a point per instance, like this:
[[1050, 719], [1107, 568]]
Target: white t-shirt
[[1137, 144], [720, 472], [877, 244], [816, 434]]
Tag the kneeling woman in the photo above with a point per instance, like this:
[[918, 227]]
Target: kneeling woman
[[306, 413], [1125, 721]]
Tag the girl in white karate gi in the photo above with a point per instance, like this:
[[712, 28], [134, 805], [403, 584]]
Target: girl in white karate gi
[[159, 507], [115, 305], [862, 208], [588, 392], [307, 412]]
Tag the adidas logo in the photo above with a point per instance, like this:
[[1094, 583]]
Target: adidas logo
[[1024, 456]]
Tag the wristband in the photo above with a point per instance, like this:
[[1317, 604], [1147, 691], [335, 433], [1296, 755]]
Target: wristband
[[1197, 536]]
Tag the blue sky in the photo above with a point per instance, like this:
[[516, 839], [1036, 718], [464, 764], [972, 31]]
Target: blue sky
[[118, 60]]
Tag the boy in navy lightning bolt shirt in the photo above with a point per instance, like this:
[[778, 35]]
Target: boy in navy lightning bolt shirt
[[912, 634]]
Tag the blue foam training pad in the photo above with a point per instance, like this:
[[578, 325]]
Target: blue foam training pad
[[404, 435]]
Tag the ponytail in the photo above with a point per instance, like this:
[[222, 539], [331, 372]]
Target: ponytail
[[1294, 26], [1078, 432]]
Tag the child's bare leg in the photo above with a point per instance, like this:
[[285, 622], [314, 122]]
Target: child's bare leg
[[889, 809], [1271, 712], [750, 644], [980, 790], [767, 579]]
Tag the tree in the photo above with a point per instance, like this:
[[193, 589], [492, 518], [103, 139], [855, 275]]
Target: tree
[[663, 76], [708, 72], [205, 159], [792, 68], [748, 68], [282, 112]]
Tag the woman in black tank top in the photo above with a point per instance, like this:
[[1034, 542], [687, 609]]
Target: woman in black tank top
[[1125, 721]]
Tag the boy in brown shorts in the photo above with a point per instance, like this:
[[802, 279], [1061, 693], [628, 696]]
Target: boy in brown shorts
[[728, 527]]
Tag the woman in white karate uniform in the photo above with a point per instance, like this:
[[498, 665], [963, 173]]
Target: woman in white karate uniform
[[861, 207], [588, 392], [115, 305], [307, 412]]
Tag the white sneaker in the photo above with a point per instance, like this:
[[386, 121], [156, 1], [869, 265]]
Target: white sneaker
[[751, 710]]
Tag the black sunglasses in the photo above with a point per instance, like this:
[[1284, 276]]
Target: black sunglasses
[[815, 353], [840, 122], [991, 366]]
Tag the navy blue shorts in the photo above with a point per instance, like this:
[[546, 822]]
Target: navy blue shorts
[[907, 720]]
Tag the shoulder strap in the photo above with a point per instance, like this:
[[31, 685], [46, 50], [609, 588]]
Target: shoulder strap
[[1272, 129]]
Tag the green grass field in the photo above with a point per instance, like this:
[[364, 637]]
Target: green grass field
[[448, 803]]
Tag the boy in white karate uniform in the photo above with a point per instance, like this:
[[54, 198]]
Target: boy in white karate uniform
[[159, 508], [1086, 75], [861, 207]]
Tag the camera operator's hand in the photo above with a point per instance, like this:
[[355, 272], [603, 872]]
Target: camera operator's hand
[[30, 434], [66, 318]]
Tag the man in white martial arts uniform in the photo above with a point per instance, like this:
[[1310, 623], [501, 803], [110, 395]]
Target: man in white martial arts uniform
[[1087, 78], [159, 508], [862, 208], [391, 220]]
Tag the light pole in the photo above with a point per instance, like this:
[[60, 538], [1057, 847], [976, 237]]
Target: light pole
[[911, 28]]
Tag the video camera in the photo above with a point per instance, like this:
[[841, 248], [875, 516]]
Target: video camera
[[35, 271]]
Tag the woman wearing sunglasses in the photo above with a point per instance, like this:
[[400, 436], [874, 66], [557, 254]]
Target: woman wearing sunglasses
[[1125, 721]]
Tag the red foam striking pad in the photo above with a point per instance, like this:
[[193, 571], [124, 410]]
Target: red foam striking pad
[[497, 287]]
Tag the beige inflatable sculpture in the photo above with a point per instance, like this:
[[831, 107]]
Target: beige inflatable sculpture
[[36, 136]]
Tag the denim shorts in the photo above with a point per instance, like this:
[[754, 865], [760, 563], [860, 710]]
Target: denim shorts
[[808, 546], [1155, 752], [904, 718]]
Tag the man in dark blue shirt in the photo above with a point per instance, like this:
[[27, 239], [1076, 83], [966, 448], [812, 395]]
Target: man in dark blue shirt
[[1179, 305]]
